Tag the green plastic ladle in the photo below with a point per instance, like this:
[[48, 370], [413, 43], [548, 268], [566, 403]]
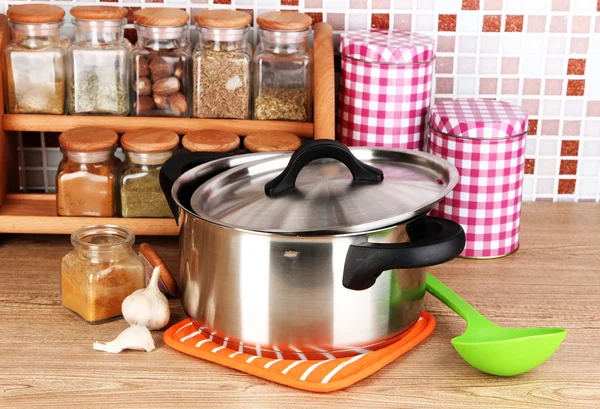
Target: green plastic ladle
[[494, 349]]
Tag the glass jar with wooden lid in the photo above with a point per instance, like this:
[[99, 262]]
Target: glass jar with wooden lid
[[100, 272], [87, 177], [160, 63], [34, 61], [283, 67], [221, 65], [146, 150], [98, 62]]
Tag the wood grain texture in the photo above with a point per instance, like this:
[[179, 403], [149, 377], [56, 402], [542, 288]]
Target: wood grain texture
[[36, 213], [46, 356], [59, 123], [324, 83]]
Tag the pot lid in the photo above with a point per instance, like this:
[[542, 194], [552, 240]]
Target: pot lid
[[346, 191]]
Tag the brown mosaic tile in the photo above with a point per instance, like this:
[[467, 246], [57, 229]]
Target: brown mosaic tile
[[566, 186], [569, 148], [529, 166], [492, 23], [283, 2], [470, 4], [568, 167], [513, 24], [447, 22], [316, 17], [379, 20], [51, 139], [598, 6], [533, 127], [575, 88], [108, 1], [576, 66]]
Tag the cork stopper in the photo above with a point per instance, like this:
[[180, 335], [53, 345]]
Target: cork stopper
[[284, 21], [211, 141], [98, 12], [149, 140], [89, 139], [161, 17], [272, 141], [35, 13], [223, 18]]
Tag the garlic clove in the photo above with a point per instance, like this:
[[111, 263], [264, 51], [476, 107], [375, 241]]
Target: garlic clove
[[148, 307], [135, 337]]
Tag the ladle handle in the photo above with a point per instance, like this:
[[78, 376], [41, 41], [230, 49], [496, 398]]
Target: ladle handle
[[443, 293]]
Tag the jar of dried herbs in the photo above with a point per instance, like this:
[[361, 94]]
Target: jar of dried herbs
[[87, 177], [160, 63], [34, 61], [283, 67], [100, 271], [98, 62], [221, 65], [145, 152]]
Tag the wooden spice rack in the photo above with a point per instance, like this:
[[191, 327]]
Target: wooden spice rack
[[36, 213]]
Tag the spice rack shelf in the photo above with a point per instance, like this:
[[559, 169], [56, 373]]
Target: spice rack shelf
[[36, 213]]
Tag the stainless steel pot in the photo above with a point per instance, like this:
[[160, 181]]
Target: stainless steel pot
[[317, 261]]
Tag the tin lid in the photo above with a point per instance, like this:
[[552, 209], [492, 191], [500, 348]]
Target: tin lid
[[387, 46], [344, 191], [35, 13], [478, 118]]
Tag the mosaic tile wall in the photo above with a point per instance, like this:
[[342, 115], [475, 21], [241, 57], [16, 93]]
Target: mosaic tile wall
[[542, 54]]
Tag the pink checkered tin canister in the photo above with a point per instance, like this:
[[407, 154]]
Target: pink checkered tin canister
[[485, 140], [385, 88]]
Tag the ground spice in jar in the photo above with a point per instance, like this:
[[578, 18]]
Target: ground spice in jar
[[288, 104], [86, 180], [100, 91]]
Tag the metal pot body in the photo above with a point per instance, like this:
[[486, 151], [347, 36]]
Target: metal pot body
[[261, 292]]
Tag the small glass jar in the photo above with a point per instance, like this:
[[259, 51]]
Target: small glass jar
[[100, 272], [160, 63], [98, 62], [35, 72], [87, 177], [283, 68], [221, 65], [146, 150]]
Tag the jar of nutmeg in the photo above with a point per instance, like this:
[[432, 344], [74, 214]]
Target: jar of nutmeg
[[160, 63]]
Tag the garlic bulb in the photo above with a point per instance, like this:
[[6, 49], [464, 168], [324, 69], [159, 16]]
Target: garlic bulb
[[148, 307], [135, 337]]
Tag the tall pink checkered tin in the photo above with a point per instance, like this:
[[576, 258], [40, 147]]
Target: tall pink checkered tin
[[485, 140], [385, 88]]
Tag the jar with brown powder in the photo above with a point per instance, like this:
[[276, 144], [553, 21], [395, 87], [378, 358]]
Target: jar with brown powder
[[87, 177]]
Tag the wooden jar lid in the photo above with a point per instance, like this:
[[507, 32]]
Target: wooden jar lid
[[272, 141], [223, 18], [98, 12], [35, 13], [211, 141], [149, 140], [88, 139], [161, 17], [284, 21]]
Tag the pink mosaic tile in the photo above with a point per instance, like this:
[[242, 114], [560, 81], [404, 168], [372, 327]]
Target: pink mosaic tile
[[445, 44], [488, 86], [510, 65], [444, 65], [571, 128], [444, 86], [593, 108], [597, 25], [381, 4], [532, 106], [313, 4], [561, 5], [550, 127], [581, 24], [532, 86], [558, 24], [492, 5], [579, 45], [358, 4], [510, 86], [536, 24], [553, 87], [337, 20]]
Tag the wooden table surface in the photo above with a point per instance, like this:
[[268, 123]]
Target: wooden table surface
[[46, 356]]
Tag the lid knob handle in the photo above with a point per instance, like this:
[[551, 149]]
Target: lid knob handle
[[319, 149]]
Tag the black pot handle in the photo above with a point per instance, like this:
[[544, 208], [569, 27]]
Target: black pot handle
[[318, 149], [177, 165], [433, 241]]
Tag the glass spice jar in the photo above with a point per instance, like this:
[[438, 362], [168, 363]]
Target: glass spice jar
[[100, 272], [283, 67], [98, 62], [35, 72], [146, 150], [87, 177], [221, 65], [160, 63]]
